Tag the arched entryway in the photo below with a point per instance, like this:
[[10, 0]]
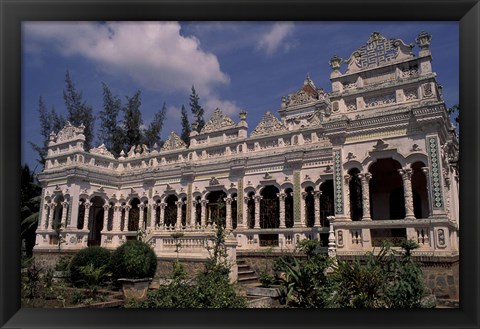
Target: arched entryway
[[269, 207], [171, 210], [309, 207], [326, 202], [355, 191], [95, 222], [420, 192], [216, 209], [386, 190], [134, 215]]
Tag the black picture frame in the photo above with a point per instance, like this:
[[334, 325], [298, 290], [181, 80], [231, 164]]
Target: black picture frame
[[13, 12]]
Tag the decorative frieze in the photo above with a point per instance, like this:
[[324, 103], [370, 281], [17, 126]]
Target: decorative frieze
[[337, 176], [435, 173], [269, 124], [217, 122], [381, 100]]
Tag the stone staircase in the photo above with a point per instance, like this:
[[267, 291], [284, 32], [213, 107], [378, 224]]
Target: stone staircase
[[246, 275]]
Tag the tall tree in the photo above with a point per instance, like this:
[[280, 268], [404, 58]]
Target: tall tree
[[454, 112], [49, 121], [185, 126], [152, 133], [197, 109], [110, 132], [132, 121], [30, 197], [78, 111]]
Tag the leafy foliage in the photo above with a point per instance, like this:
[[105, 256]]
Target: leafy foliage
[[29, 207], [94, 255], [185, 136], [197, 109], [78, 110], [110, 133], [152, 133], [132, 120], [133, 260], [94, 276]]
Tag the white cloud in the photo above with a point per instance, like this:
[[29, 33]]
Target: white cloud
[[154, 55], [276, 38]]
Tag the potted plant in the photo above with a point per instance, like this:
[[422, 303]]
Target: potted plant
[[133, 265]]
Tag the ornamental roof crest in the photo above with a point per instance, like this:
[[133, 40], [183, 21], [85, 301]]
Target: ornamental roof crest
[[218, 121], [269, 124], [173, 142], [102, 150], [378, 51], [69, 131], [307, 94]]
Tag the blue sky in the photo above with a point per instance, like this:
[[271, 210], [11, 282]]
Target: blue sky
[[234, 65]]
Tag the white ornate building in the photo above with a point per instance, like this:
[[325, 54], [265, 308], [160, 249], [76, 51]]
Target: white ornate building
[[378, 153]]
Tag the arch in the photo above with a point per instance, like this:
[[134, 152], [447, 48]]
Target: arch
[[386, 190], [260, 188], [421, 207], [249, 189], [349, 165], [387, 154], [417, 157], [269, 207], [286, 185], [95, 220], [308, 183], [355, 189]]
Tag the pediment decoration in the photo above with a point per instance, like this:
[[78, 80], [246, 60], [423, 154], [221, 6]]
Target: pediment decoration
[[301, 97], [269, 124], [173, 142], [218, 121], [102, 150], [378, 51], [69, 132]]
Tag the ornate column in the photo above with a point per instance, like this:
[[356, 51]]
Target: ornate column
[[49, 222], [303, 207], [193, 217], [317, 196], [204, 212], [426, 171], [64, 214], [105, 217], [117, 218], [365, 179], [86, 215], [347, 178], [141, 217], [179, 213], [44, 218], [162, 205], [228, 220], [125, 221], [281, 197], [247, 214], [257, 210], [407, 191], [153, 214]]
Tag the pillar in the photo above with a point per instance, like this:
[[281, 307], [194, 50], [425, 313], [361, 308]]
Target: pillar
[[204, 212], [117, 218], [228, 220], [86, 215], [317, 196], [407, 191], [49, 222], [346, 179], [365, 179], [63, 222], [141, 218], [162, 205], [193, 212], [257, 210], [281, 197], [179, 213], [105, 217], [303, 212], [125, 221]]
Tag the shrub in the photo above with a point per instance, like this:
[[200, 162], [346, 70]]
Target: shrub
[[133, 260], [63, 263], [95, 255]]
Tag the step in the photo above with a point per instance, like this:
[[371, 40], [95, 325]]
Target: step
[[248, 279]]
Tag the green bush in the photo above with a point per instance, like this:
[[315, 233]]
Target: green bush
[[133, 260], [95, 255]]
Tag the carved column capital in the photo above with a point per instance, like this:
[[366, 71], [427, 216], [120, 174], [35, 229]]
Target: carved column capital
[[405, 173], [228, 200], [282, 196], [106, 207], [258, 198], [87, 204]]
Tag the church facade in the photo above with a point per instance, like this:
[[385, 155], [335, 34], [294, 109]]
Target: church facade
[[374, 159]]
